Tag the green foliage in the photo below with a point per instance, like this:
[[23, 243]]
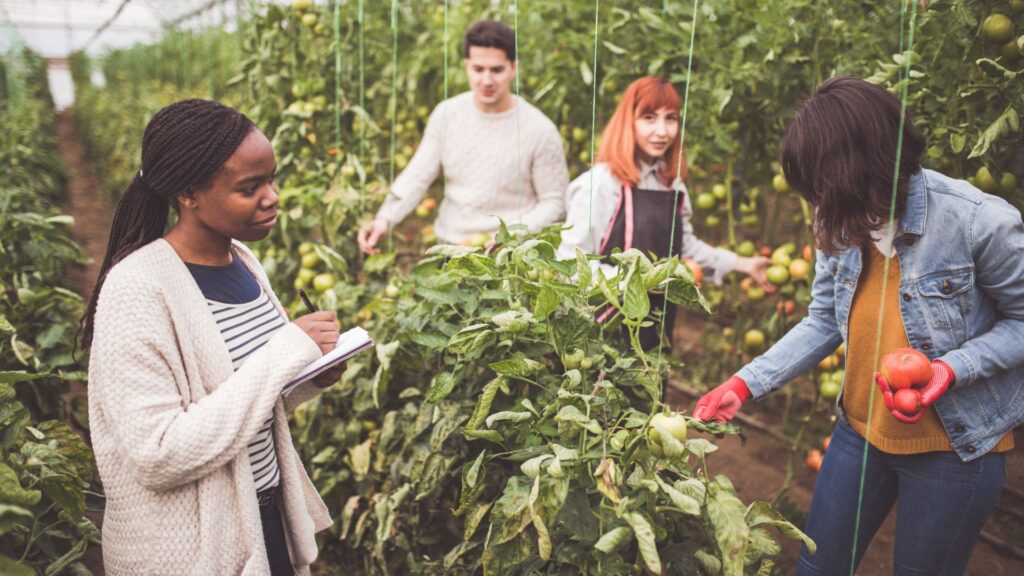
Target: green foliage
[[490, 453], [45, 467]]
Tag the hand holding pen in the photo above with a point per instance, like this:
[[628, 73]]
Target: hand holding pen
[[322, 327]]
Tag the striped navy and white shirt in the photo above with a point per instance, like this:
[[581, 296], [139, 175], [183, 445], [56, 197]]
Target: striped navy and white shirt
[[247, 319]]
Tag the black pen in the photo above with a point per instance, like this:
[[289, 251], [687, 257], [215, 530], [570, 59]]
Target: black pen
[[306, 301]]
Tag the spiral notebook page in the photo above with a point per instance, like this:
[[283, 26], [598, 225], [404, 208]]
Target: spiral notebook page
[[350, 343]]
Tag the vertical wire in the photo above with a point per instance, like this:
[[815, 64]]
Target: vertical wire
[[593, 119], [362, 105], [679, 170], [337, 77], [905, 84], [394, 99]]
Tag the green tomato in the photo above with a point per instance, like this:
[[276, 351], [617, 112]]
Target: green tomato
[[780, 184], [587, 363], [706, 201], [322, 282], [718, 191], [310, 260], [828, 388], [777, 275], [391, 291], [573, 359], [672, 423]]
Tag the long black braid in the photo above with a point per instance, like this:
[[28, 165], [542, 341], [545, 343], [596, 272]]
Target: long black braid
[[183, 148]]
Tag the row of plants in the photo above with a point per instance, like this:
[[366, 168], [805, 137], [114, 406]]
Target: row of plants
[[46, 468]]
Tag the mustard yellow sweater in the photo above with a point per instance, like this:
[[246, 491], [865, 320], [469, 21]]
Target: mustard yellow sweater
[[887, 434]]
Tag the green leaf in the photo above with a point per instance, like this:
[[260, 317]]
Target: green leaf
[[483, 404], [508, 416], [441, 387], [637, 304], [11, 567], [443, 429], [645, 538], [11, 377], [613, 48], [475, 515], [761, 513], [543, 536], [728, 518], [516, 367], [5, 326], [1007, 123], [378, 263], [334, 261], [489, 435], [66, 493], [73, 554], [586, 73], [359, 459], [11, 515], [680, 500], [583, 272], [613, 538], [570, 413], [429, 340], [11, 491], [511, 513], [546, 303], [700, 447]]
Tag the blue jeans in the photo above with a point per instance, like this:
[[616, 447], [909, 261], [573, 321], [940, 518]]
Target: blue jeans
[[941, 505]]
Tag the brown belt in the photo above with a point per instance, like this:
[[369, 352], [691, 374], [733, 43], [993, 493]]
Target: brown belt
[[269, 496]]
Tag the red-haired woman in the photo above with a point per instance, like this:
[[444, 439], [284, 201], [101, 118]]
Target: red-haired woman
[[628, 199]]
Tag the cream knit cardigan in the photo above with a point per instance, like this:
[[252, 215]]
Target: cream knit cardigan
[[171, 419]]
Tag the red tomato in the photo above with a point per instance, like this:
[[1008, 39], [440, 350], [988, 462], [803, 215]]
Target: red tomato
[[814, 459], [906, 367], [907, 400]]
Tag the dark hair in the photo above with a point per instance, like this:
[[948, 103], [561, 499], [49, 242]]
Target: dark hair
[[491, 34], [183, 148], [839, 153]]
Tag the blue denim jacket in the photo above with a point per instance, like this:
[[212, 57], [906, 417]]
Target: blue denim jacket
[[961, 255]]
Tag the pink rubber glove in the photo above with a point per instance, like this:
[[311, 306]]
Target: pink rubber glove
[[942, 379], [723, 402]]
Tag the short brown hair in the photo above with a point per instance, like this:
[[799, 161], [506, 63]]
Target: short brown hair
[[491, 34], [839, 153]]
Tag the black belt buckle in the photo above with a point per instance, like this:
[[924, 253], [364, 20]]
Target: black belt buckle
[[268, 496]]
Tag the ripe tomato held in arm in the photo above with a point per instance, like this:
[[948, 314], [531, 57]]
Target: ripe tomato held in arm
[[907, 400], [906, 367]]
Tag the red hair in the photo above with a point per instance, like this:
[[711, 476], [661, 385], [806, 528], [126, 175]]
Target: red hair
[[618, 144]]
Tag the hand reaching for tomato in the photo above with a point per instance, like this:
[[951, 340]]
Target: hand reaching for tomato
[[723, 402], [907, 404]]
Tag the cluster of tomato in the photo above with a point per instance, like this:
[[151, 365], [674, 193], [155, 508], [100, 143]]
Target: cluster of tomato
[[906, 370]]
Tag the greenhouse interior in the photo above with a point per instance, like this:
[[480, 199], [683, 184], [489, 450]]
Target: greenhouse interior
[[334, 287]]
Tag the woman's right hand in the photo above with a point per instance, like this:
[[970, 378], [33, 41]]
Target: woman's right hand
[[722, 402], [322, 327]]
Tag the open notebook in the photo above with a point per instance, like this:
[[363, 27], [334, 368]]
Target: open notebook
[[349, 344]]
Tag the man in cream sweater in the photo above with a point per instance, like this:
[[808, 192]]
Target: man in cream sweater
[[502, 157]]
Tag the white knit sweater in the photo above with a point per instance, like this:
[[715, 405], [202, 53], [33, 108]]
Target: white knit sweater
[[508, 165], [170, 421]]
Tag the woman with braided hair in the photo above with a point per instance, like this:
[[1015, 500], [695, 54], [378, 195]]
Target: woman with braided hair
[[191, 353]]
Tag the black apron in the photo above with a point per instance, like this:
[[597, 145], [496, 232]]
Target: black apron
[[644, 220]]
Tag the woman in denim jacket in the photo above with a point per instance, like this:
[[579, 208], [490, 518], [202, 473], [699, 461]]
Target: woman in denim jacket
[[953, 289]]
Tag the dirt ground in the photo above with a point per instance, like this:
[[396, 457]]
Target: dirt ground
[[92, 213], [92, 225], [757, 469]]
